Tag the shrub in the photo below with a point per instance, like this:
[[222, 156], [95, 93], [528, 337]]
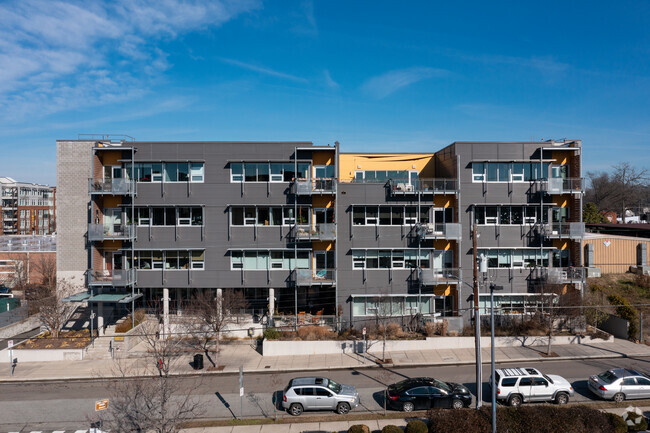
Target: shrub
[[311, 333], [271, 334], [359, 428], [392, 429], [429, 329], [642, 281], [125, 326], [416, 426], [624, 311], [394, 331], [525, 419], [635, 421], [617, 422]]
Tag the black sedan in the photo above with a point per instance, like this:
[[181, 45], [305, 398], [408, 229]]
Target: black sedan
[[426, 393]]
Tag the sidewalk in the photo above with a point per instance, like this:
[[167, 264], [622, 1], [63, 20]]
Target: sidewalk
[[233, 356]]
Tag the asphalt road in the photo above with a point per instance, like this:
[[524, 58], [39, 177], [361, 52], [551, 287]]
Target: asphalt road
[[61, 405]]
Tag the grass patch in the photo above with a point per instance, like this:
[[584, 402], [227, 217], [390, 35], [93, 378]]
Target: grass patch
[[67, 340]]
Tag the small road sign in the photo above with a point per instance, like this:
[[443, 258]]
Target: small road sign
[[10, 343], [364, 331], [101, 405]]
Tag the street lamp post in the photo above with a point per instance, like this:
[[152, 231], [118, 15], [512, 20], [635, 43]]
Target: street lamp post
[[493, 287]]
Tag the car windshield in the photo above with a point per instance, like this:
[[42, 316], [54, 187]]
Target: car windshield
[[607, 377], [548, 378], [336, 387], [444, 386]]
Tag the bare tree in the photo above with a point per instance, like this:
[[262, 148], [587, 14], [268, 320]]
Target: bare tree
[[208, 316], [562, 305], [143, 397], [383, 317], [619, 190], [45, 266], [20, 278], [53, 311]]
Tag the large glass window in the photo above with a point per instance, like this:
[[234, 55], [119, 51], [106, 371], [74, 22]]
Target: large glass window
[[268, 260], [478, 171], [196, 171]]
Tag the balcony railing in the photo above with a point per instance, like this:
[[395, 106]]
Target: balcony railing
[[565, 230], [451, 231], [100, 232], [564, 275], [432, 277], [556, 185], [315, 277], [314, 186], [116, 277], [111, 186], [323, 232], [422, 186]]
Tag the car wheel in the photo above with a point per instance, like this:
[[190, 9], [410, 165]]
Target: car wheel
[[342, 408], [408, 407], [619, 397], [457, 404], [514, 400], [562, 398], [295, 409]]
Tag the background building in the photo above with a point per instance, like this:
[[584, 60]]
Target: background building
[[27, 208], [313, 235]]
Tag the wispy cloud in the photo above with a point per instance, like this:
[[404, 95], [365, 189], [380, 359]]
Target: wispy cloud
[[383, 85], [56, 55], [264, 70], [548, 66], [329, 81]]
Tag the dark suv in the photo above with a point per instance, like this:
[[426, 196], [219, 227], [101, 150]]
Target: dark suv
[[427, 393]]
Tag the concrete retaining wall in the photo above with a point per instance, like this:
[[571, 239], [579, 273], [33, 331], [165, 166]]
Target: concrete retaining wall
[[279, 348], [19, 327], [13, 316], [44, 355]]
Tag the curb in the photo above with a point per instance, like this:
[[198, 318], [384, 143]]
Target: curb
[[331, 368]]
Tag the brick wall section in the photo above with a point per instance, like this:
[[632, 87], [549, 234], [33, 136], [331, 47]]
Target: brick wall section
[[73, 168], [28, 259]]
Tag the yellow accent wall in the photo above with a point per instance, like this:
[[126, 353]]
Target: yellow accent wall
[[322, 246], [442, 290], [112, 245], [323, 157], [322, 201], [111, 157], [351, 162]]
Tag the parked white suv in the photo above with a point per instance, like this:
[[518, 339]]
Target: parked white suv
[[518, 385]]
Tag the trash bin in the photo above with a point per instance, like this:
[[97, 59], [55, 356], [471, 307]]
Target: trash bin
[[198, 362]]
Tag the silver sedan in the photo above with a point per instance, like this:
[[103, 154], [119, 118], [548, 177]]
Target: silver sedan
[[620, 384]]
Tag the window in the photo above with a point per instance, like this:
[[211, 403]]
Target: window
[[276, 172], [236, 172], [504, 172], [196, 171], [515, 258], [509, 381], [143, 216], [371, 216], [491, 215], [268, 260], [358, 260], [518, 172], [250, 172], [358, 215], [197, 216], [492, 170], [184, 216], [236, 260], [478, 171]]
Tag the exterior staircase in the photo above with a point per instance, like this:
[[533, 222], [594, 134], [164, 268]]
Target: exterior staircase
[[101, 349]]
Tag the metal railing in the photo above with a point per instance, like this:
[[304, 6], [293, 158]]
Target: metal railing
[[325, 232], [422, 186], [101, 232], [111, 186], [314, 277], [314, 186], [432, 277], [565, 230], [451, 231], [116, 277], [557, 185], [564, 275]]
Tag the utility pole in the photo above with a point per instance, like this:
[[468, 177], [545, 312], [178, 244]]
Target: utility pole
[[477, 324]]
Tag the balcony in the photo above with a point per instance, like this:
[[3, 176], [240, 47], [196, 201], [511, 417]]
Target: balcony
[[422, 186], [564, 230], [563, 275], [450, 231], [562, 186], [111, 186], [433, 277], [115, 278], [318, 277], [321, 232], [100, 232], [314, 186]]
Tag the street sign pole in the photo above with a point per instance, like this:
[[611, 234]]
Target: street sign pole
[[241, 392], [365, 347], [10, 345]]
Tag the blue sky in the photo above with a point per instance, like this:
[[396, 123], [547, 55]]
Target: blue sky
[[374, 75]]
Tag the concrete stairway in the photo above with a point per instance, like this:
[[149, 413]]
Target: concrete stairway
[[101, 349]]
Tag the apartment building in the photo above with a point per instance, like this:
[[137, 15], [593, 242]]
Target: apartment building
[[26, 208], [314, 235]]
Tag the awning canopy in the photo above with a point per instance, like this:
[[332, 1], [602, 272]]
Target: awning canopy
[[77, 297], [120, 298]]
